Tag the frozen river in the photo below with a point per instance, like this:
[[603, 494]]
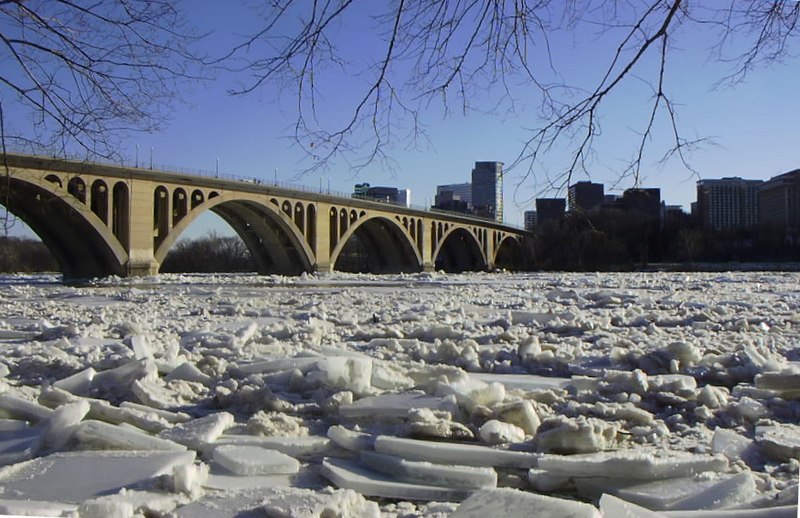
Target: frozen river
[[652, 394]]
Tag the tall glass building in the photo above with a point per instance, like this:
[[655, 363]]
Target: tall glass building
[[487, 190]]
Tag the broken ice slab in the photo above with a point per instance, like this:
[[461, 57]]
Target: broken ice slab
[[527, 382], [613, 506], [35, 508], [734, 446], [418, 472], [351, 440], [19, 445], [18, 408], [779, 441], [512, 503], [688, 492], [786, 380], [632, 464], [394, 406], [279, 363], [102, 410], [62, 424], [99, 435], [79, 383], [131, 503], [154, 394], [189, 372], [304, 446], [200, 432], [343, 373], [125, 374], [166, 415], [254, 460], [76, 476], [787, 511], [348, 474], [725, 493], [223, 480], [305, 503], [454, 453]]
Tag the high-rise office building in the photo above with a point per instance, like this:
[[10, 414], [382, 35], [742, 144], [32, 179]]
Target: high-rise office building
[[779, 201], [454, 191], [728, 202], [585, 196], [487, 189]]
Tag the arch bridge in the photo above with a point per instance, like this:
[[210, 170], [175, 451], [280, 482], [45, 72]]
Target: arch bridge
[[100, 219]]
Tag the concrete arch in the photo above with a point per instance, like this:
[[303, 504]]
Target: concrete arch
[[81, 242], [275, 243], [385, 245], [459, 251], [509, 254]]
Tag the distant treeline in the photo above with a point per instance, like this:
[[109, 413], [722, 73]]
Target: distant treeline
[[612, 240], [209, 254], [25, 255]]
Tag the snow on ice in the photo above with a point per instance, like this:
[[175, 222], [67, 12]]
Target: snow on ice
[[640, 395]]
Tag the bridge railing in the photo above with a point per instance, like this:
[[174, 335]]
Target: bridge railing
[[148, 165]]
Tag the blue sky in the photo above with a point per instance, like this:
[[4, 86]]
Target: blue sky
[[753, 124]]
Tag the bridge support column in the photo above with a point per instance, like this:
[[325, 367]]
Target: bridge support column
[[141, 256], [322, 240], [428, 264]]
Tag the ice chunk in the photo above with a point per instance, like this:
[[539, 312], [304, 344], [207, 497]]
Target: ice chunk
[[304, 503], [292, 446], [102, 435], [418, 472], [611, 506], [166, 415], [520, 413], [35, 508], [787, 379], [575, 435], [198, 433], [780, 441], [527, 382], [498, 432], [471, 393], [254, 460], [79, 383], [394, 406], [344, 373], [726, 493], [131, 504], [388, 376], [63, 423], [113, 380], [225, 481], [350, 440], [733, 446], [302, 363], [19, 445], [633, 464], [679, 384], [189, 372], [189, 478], [76, 476], [16, 407], [141, 347], [350, 475], [511, 503], [106, 508], [155, 395], [453, 453], [103, 410], [658, 495]]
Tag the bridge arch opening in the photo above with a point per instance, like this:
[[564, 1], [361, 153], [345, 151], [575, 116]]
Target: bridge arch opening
[[459, 252], [510, 255], [80, 242], [54, 179], [257, 234], [160, 215], [377, 245]]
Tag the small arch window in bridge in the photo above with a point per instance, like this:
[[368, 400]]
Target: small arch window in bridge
[[99, 203], [197, 198], [179, 205], [77, 188], [54, 179]]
